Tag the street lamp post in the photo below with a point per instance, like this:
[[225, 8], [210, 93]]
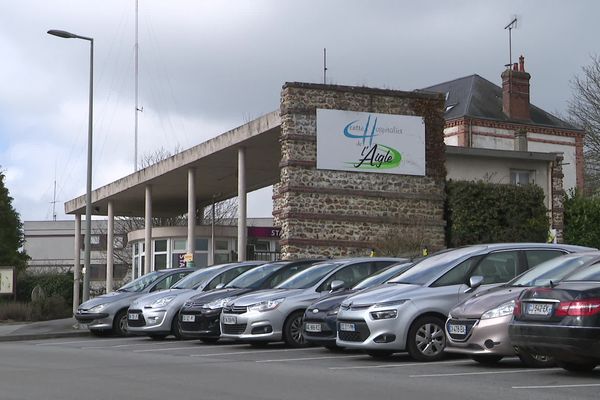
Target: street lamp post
[[88, 192]]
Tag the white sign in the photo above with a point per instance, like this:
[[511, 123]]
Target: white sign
[[370, 142], [6, 281]]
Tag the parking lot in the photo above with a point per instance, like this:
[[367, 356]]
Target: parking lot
[[139, 368]]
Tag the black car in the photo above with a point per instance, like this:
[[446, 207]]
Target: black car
[[320, 317], [562, 320], [199, 316]]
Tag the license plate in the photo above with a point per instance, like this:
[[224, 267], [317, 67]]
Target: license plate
[[539, 309], [188, 318], [347, 327], [229, 320], [457, 329], [134, 317], [313, 327]]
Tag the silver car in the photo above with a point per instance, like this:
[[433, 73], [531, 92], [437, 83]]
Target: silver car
[[408, 313], [107, 314], [155, 314], [276, 314]]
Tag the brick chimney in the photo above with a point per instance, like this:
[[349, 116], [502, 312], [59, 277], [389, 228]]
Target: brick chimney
[[515, 91]]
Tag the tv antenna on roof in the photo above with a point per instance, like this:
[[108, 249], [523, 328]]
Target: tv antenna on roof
[[324, 65], [511, 25]]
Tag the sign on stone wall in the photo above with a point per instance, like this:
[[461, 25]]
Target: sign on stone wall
[[7, 280], [370, 142]]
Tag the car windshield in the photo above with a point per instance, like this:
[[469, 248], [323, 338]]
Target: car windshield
[[141, 283], [195, 278], [430, 267], [591, 273], [255, 276], [551, 270], [309, 277], [382, 276]]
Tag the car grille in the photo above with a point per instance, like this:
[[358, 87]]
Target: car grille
[[235, 310], [325, 331], [235, 329], [200, 323], [360, 335], [136, 322], [469, 324]]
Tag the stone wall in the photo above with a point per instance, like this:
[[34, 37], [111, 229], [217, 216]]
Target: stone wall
[[339, 213]]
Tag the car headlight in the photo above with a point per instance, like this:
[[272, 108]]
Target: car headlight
[[266, 305], [384, 314], [216, 304], [389, 303], [333, 311], [163, 301], [98, 308], [501, 311]]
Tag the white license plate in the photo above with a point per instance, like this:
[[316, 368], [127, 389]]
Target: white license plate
[[457, 329], [347, 327], [313, 327], [188, 318], [134, 317], [539, 309], [229, 320]]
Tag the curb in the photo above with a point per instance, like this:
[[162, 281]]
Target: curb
[[39, 336]]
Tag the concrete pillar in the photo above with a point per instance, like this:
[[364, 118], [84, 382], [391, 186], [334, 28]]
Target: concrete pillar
[[77, 262], [191, 227], [242, 230], [148, 231], [110, 243]]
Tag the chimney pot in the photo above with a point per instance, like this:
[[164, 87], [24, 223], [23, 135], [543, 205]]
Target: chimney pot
[[522, 63], [515, 67]]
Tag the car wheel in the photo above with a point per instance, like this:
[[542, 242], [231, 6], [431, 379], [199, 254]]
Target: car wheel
[[100, 332], [292, 330], [209, 340], [120, 323], [426, 339], [536, 360], [176, 328], [487, 360], [380, 354], [157, 337], [577, 367]]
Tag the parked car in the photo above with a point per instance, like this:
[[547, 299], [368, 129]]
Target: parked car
[[479, 326], [276, 314], [562, 321], [107, 314], [155, 314], [199, 316], [320, 318], [408, 313]]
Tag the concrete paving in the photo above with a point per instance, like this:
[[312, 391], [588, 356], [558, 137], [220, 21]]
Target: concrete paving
[[66, 327]]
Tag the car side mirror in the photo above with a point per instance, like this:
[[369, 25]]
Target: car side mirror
[[220, 286], [336, 285], [474, 282]]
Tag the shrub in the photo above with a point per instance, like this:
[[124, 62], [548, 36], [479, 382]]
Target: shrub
[[54, 283], [480, 212], [582, 220]]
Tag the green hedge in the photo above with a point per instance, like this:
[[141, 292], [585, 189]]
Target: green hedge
[[480, 212], [582, 220], [53, 284]]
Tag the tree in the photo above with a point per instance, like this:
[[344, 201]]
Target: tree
[[584, 111], [11, 232]]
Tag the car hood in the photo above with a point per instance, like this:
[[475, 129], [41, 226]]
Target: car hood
[[387, 292], [217, 294], [475, 306], [111, 297], [152, 297], [331, 301], [268, 294]]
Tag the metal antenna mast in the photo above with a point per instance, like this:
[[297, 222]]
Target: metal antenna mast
[[136, 50], [324, 66], [512, 24], [54, 202]]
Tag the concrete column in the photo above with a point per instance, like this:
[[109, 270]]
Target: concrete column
[[148, 231], [191, 227], [242, 230], [110, 242], [77, 262]]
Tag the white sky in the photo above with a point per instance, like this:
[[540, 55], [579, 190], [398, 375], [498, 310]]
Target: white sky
[[207, 66]]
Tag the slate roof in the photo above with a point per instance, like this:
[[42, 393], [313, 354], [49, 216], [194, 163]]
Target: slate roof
[[476, 97]]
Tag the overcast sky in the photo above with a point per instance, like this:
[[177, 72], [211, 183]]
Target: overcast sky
[[207, 66]]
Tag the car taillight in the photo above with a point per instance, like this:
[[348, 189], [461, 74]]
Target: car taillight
[[579, 308], [517, 309]]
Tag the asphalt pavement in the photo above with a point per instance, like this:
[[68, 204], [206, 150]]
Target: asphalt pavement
[[66, 327]]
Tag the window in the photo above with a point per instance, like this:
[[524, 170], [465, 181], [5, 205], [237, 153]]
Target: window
[[201, 244], [221, 258], [118, 242], [221, 245], [498, 267], [179, 244], [168, 281], [522, 177], [160, 261], [95, 239], [458, 274], [353, 274], [535, 257], [160, 245], [227, 276]]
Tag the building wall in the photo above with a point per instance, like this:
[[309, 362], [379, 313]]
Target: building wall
[[339, 213]]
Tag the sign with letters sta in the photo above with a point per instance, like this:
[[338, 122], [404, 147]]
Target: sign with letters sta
[[370, 142]]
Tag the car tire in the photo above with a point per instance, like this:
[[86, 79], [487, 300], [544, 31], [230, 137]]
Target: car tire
[[292, 330], [426, 339], [120, 323], [176, 328], [576, 367], [536, 360], [157, 337], [487, 360], [380, 354], [209, 340]]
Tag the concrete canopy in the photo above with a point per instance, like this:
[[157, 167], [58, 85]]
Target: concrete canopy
[[215, 162]]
